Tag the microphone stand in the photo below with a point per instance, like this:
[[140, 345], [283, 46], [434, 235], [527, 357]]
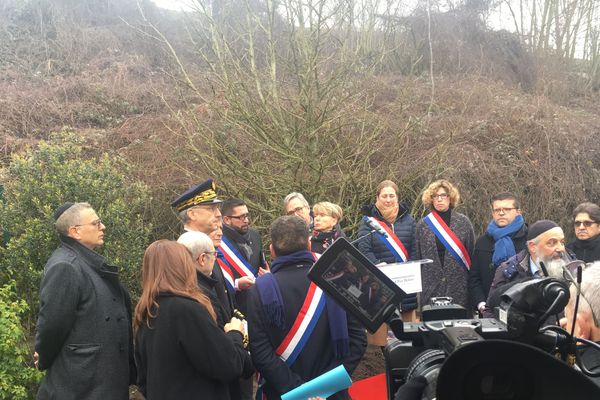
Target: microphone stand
[[362, 237]]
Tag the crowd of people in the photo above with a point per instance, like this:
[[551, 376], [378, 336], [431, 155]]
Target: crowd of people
[[214, 320]]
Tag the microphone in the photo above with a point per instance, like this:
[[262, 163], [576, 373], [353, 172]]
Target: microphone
[[543, 268], [376, 228]]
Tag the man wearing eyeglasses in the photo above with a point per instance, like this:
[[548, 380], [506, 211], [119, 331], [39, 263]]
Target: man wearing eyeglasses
[[83, 338], [295, 204], [199, 210], [243, 241], [204, 255], [587, 230], [504, 237]]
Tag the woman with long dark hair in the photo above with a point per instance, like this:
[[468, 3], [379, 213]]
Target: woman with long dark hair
[[180, 351]]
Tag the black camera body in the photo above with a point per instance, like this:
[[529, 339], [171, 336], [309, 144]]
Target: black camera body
[[421, 347], [504, 358]]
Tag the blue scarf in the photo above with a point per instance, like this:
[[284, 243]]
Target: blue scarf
[[272, 302], [504, 247]]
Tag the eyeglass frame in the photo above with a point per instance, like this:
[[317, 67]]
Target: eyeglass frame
[[504, 210], [240, 217], [586, 224], [440, 196], [97, 222], [568, 276], [296, 210]]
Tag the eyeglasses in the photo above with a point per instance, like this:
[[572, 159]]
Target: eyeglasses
[[212, 253], [569, 273], [296, 210], [440, 196], [503, 210], [239, 217], [97, 222], [587, 224]]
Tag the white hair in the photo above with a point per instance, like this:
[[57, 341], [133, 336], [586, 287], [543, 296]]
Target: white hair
[[590, 287], [71, 217], [196, 243], [292, 196]]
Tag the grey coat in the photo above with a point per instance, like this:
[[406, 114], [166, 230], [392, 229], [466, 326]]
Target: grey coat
[[84, 328], [450, 279]]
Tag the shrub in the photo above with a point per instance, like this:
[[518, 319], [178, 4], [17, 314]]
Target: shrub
[[17, 378], [44, 177]]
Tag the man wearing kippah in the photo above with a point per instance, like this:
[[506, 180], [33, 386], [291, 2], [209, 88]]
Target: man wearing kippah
[[545, 245], [83, 337]]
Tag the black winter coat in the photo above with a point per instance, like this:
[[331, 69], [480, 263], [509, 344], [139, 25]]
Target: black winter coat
[[482, 270], [249, 246], [586, 250], [377, 252], [320, 241], [83, 334], [185, 355], [207, 285], [317, 356]]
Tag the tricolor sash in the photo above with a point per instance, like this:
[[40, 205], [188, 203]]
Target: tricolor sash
[[392, 242], [234, 259], [227, 273], [448, 238], [305, 322]]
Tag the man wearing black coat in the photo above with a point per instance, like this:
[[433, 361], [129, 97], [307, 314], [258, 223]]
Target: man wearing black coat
[[198, 209], [274, 305], [83, 339], [248, 244], [203, 253], [505, 236]]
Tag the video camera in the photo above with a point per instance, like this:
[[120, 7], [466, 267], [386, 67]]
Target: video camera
[[455, 357]]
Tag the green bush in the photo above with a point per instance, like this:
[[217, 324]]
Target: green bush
[[17, 377], [63, 169]]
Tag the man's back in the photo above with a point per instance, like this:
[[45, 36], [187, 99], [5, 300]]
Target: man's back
[[316, 357]]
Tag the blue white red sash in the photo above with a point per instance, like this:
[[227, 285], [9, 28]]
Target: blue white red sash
[[305, 322], [239, 264], [393, 243], [448, 238], [227, 273]]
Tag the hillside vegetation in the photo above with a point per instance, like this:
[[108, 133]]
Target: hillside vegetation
[[247, 95]]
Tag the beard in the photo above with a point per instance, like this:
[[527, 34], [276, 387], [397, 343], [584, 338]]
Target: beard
[[554, 266]]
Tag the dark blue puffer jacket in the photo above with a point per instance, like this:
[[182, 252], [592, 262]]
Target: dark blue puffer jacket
[[375, 249]]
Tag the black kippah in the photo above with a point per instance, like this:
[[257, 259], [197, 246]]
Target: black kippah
[[61, 209], [540, 227]]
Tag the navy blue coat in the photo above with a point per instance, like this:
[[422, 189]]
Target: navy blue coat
[[375, 249], [316, 358]]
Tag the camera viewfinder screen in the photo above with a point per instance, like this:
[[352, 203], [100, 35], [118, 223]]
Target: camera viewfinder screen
[[356, 284]]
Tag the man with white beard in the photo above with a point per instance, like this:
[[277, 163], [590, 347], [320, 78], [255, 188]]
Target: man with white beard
[[545, 244]]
